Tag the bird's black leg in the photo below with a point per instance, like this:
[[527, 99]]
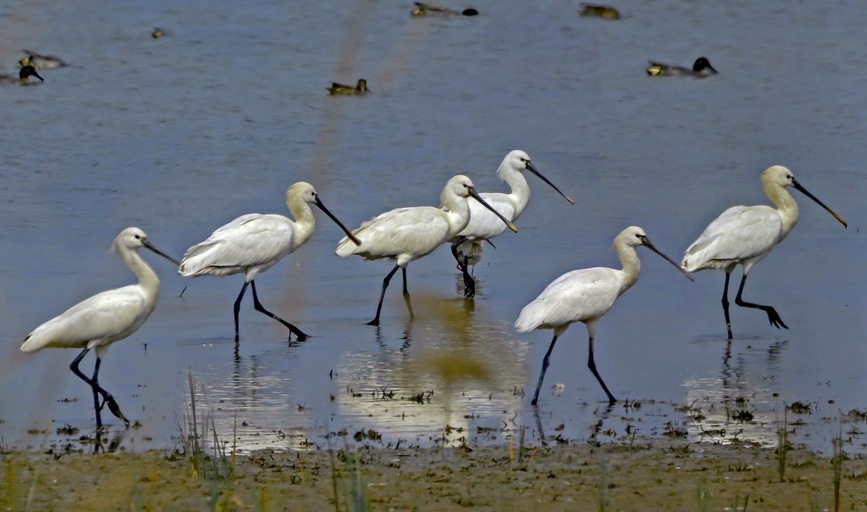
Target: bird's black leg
[[97, 390], [773, 317], [258, 305], [74, 367], [592, 365], [406, 296], [107, 399], [545, 363], [469, 282], [385, 282], [238, 308], [725, 305]]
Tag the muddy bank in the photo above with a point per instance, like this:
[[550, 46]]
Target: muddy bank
[[658, 475]]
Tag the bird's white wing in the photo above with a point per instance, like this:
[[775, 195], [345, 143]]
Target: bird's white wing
[[416, 230], [740, 233], [248, 241], [484, 225], [104, 317], [575, 296]]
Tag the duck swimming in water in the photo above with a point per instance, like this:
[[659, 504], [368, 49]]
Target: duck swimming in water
[[348, 90], [425, 10], [23, 78], [701, 68], [41, 61], [600, 11]]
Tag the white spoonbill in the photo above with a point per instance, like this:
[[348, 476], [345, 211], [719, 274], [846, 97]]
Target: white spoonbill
[[585, 295], [99, 321], [484, 225], [406, 234], [746, 234], [255, 242]]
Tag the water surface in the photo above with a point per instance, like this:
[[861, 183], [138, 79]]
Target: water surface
[[180, 135]]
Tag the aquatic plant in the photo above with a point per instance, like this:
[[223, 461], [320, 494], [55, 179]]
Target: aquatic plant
[[782, 446], [837, 463]]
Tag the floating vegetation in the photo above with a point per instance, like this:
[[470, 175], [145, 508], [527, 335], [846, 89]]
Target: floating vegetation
[[369, 434], [673, 430], [421, 398], [67, 430], [801, 407], [855, 415]]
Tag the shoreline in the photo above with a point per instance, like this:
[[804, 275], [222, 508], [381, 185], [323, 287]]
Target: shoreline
[[645, 474]]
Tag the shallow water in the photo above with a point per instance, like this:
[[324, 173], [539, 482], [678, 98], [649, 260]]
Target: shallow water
[[180, 135]]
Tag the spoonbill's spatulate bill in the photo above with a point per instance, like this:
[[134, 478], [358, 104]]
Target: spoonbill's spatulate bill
[[110, 316], [484, 225], [255, 242], [585, 296], [407, 234], [743, 235]]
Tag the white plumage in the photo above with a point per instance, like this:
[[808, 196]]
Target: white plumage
[[406, 234], [746, 234], [585, 296], [107, 317], [255, 242], [484, 225]]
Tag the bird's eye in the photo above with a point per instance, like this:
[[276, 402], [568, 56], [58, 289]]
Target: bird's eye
[[137, 236]]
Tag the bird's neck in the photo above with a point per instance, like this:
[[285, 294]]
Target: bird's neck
[[787, 209], [304, 223], [631, 266], [520, 193], [458, 211], [147, 278]]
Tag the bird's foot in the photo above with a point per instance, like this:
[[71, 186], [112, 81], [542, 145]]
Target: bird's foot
[[775, 319], [469, 286], [109, 400]]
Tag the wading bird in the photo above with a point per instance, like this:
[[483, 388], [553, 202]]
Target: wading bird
[[110, 316], [700, 69], [484, 225], [743, 235], [255, 242], [407, 234], [585, 296]]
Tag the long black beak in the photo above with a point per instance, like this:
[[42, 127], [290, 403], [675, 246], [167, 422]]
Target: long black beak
[[645, 242], [820, 203], [478, 198], [322, 207], [546, 180], [161, 253]]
